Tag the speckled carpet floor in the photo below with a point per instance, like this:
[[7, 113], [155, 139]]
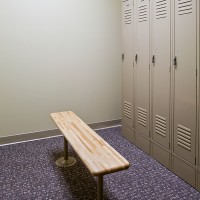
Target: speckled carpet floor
[[28, 171]]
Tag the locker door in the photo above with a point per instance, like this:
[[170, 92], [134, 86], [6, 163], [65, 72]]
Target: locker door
[[127, 21], [161, 32], [141, 69], [185, 79]]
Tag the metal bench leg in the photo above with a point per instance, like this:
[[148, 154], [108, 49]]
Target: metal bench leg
[[67, 160], [65, 149], [100, 188]]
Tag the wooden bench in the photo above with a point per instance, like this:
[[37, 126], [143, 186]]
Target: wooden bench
[[98, 156]]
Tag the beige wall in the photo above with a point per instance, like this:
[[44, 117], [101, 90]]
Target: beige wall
[[58, 55]]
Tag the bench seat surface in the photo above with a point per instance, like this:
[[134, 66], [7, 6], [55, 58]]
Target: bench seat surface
[[99, 157]]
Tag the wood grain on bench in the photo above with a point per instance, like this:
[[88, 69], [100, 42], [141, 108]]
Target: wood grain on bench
[[99, 157]]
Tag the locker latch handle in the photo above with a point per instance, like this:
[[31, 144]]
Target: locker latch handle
[[136, 58], [153, 59], [175, 61], [123, 57]]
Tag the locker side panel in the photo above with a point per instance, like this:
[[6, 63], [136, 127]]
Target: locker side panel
[[127, 22], [161, 40], [141, 69], [185, 79]]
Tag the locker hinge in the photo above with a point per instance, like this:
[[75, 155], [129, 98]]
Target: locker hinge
[[149, 66], [196, 72], [169, 145], [195, 161]]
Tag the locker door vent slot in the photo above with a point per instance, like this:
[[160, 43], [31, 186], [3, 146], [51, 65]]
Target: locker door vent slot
[[142, 13], [184, 137], [161, 9], [127, 109], [127, 12], [184, 7], [142, 116], [161, 125], [127, 16]]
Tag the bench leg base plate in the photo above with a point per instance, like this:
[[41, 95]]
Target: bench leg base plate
[[61, 162]]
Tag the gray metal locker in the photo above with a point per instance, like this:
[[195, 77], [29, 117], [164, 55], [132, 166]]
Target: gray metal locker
[[127, 22], [161, 70], [185, 81], [141, 69]]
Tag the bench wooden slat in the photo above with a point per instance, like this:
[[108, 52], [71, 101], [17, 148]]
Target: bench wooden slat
[[99, 157]]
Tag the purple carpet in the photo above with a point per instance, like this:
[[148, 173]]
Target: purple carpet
[[28, 171]]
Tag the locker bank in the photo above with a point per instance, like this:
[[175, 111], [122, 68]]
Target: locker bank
[[161, 68]]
